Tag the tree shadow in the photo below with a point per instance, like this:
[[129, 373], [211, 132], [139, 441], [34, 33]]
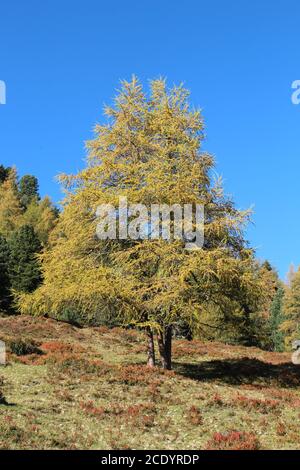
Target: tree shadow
[[242, 371], [4, 402]]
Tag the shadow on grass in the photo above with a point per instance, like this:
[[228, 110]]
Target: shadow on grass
[[242, 371], [3, 402]]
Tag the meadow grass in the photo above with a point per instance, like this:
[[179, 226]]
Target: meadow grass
[[89, 389]]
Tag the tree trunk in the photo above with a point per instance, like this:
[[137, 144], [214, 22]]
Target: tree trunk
[[164, 340], [168, 346], [150, 348]]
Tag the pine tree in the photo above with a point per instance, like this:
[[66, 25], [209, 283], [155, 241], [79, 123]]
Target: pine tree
[[276, 319], [291, 310], [4, 173], [150, 152], [28, 190], [20, 204], [261, 320], [42, 216], [24, 267], [19, 269], [5, 297], [10, 207]]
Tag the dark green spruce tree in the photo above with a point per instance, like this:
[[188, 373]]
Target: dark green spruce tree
[[24, 267], [5, 297], [276, 319], [4, 172], [28, 190]]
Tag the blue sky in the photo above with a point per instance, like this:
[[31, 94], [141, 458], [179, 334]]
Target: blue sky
[[62, 60]]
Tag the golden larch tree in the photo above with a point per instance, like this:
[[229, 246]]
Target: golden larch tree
[[148, 151]]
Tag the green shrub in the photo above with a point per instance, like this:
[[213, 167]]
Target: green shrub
[[22, 347]]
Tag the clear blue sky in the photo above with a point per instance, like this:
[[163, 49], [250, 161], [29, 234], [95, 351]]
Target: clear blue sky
[[62, 60]]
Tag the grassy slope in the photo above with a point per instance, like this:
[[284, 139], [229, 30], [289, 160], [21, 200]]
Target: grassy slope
[[90, 390]]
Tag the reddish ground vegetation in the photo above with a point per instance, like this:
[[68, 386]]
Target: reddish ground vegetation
[[37, 328], [52, 351], [139, 415], [90, 408], [233, 440], [263, 406], [281, 429], [141, 375], [194, 416]]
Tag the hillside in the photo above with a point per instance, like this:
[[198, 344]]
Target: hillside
[[89, 389]]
